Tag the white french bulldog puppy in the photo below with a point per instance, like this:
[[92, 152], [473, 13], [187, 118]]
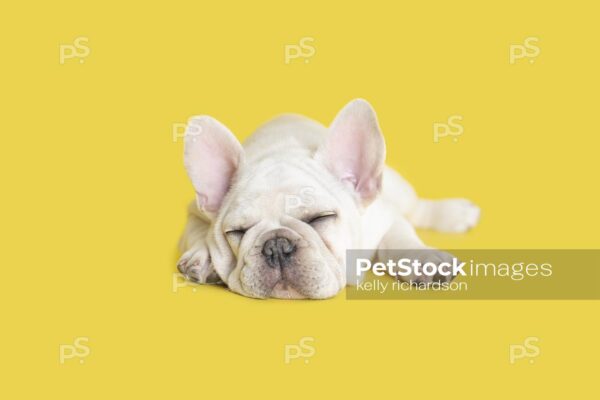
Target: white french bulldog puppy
[[274, 218]]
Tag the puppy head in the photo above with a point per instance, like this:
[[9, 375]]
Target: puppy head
[[280, 227]]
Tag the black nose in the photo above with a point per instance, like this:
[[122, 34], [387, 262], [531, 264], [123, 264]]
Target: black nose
[[278, 252]]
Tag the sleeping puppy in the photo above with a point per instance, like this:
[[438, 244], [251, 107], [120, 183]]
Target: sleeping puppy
[[275, 217]]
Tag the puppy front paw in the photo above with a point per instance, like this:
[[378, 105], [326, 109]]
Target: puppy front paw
[[435, 257], [195, 265]]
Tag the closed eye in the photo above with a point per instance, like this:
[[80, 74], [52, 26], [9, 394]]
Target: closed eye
[[321, 218], [236, 232]]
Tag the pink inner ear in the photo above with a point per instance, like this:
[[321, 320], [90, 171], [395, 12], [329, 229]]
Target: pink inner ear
[[355, 150], [217, 168], [371, 188], [212, 156]]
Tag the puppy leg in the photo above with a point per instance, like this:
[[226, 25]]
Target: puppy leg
[[402, 236], [448, 215], [195, 263]]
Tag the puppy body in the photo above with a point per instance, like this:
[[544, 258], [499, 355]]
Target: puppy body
[[275, 218]]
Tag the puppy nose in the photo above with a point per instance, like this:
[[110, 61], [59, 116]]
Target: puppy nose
[[278, 252]]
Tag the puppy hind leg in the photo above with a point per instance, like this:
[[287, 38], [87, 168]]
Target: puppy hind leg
[[447, 215]]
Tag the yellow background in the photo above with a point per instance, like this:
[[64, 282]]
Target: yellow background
[[94, 193]]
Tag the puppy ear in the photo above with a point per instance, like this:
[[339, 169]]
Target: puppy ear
[[212, 155], [354, 150]]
